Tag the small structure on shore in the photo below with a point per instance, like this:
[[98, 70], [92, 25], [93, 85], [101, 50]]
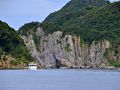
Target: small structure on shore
[[33, 66]]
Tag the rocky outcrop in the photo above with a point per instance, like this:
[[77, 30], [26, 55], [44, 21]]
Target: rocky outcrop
[[58, 50], [9, 62], [113, 55]]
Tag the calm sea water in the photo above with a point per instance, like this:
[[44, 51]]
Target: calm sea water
[[59, 80]]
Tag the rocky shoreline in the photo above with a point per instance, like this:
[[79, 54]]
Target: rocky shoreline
[[81, 69]]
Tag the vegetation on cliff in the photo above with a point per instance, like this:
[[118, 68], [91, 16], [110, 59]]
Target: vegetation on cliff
[[91, 19], [30, 29]]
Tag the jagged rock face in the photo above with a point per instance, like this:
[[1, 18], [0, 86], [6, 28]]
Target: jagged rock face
[[114, 55], [57, 50]]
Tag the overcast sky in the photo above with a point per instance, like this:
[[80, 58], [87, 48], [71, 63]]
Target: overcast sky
[[18, 12]]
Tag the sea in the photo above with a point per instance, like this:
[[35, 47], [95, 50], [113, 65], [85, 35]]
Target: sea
[[59, 79]]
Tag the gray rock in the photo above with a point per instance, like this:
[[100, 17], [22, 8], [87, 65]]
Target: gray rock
[[67, 51]]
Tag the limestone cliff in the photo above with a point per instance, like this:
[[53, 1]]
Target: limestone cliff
[[58, 50]]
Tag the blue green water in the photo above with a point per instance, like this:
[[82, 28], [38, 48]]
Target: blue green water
[[59, 80]]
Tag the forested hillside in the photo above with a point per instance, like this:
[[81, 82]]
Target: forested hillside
[[90, 19], [11, 44]]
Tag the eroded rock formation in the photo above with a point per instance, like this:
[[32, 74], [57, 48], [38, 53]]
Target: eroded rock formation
[[58, 50]]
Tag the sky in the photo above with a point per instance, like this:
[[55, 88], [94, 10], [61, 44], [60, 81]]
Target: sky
[[18, 12]]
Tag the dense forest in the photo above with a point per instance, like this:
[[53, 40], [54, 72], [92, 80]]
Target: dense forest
[[12, 44], [93, 20]]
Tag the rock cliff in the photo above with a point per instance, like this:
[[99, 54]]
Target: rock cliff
[[58, 50]]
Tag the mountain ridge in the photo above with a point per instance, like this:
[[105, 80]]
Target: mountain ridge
[[83, 34]]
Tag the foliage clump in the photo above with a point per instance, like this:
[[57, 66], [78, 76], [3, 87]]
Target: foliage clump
[[12, 44], [31, 29]]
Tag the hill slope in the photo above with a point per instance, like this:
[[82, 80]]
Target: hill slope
[[83, 34], [70, 13], [95, 20], [13, 46]]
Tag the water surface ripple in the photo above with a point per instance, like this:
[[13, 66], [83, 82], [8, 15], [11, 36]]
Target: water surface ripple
[[59, 80]]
